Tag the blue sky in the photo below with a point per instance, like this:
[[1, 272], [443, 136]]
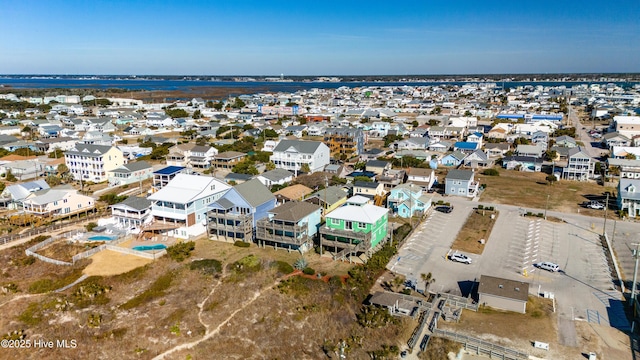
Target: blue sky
[[347, 37]]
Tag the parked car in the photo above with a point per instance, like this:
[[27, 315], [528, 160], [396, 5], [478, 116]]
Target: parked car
[[595, 205], [549, 266], [461, 258], [444, 209]]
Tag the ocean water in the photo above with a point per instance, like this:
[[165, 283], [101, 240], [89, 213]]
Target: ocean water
[[190, 85]]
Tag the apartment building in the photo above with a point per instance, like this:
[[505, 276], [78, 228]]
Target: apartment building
[[92, 162]]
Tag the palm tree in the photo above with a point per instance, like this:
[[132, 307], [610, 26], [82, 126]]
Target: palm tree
[[428, 280]]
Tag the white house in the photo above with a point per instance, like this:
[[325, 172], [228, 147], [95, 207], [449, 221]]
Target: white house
[[179, 208], [293, 154]]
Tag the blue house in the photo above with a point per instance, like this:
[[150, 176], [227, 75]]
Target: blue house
[[292, 225], [408, 200], [466, 147], [454, 159], [461, 183], [234, 216]]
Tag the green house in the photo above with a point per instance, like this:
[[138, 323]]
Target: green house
[[353, 229]]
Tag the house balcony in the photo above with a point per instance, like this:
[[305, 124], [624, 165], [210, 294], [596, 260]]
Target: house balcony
[[288, 234], [229, 222], [171, 213], [348, 235], [129, 214]]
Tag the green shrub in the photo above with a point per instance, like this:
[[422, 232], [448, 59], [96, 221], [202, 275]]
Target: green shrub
[[250, 263], [41, 286], [308, 271], [207, 266], [154, 291], [242, 244], [282, 267], [491, 172], [90, 226], [41, 238], [480, 207], [180, 251]]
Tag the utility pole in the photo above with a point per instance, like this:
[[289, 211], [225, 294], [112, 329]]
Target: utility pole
[[546, 207], [606, 206], [636, 254]]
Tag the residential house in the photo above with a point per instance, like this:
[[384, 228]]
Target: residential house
[[293, 154], [440, 146], [377, 166], [344, 142], [179, 207], [625, 168], [496, 150], [275, 177], [296, 192], [477, 159], [133, 172], [191, 155], [615, 139], [351, 230], [566, 141], [522, 163], [292, 225], [580, 166], [391, 178], [50, 145], [629, 196], [408, 200], [23, 169], [235, 178], [227, 159], [132, 212], [628, 126], [329, 198], [500, 131], [371, 154], [503, 294], [415, 143], [369, 189], [454, 159], [234, 216], [98, 138], [161, 177], [57, 201], [461, 183], [12, 195], [91, 162], [530, 150], [540, 138], [476, 137], [425, 178]]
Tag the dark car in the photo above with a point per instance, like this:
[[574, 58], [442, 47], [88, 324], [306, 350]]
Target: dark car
[[444, 209]]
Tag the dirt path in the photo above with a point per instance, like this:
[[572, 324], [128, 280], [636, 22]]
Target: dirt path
[[19, 297], [209, 334]]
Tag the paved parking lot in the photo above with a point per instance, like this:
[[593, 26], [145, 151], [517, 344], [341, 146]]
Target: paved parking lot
[[583, 291]]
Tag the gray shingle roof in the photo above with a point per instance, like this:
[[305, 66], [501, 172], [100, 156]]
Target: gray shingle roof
[[304, 147], [460, 174], [254, 192], [293, 211], [135, 202], [277, 174], [91, 150]]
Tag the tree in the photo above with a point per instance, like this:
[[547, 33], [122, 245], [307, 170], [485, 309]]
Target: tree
[[362, 178], [270, 166], [428, 280], [218, 106], [360, 165], [246, 167], [176, 113], [197, 114], [53, 180], [415, 123], [238, 103], [305, 168], [550, 155], [270, 134], [630, 156], [57, 153], [10, 177], [551, 179]]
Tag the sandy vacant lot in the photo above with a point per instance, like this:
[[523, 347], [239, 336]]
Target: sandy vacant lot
[[107, 262]]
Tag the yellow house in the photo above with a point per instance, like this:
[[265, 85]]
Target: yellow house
[[329, 199], [92, 162]]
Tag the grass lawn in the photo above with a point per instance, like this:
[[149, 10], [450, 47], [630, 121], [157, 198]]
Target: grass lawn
[[531, 189], [478, 226]]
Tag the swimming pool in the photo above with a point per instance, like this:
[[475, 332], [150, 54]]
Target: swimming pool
[[150, 247], [101, 238]]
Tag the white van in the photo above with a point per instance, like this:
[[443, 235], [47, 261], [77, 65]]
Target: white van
[[549, 266]]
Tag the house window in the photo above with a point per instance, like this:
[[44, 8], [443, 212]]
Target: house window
[[348, 225], [335, 221], [362, 225]]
